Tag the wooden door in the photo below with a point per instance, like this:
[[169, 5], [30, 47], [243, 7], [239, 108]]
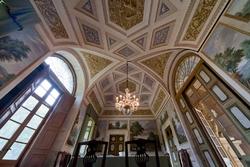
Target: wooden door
[[116, 144]]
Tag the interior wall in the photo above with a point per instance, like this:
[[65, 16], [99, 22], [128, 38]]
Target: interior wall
[[130, 128], [169, 118]]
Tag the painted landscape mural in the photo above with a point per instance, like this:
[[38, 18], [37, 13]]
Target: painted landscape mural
[[143, 130], [181, 137], [178, 129], [118, 124], [230, 50], [18, 50], [101, 130], [240, 9]]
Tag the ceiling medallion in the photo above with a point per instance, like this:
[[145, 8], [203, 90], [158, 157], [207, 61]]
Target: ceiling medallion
[[127, 103]]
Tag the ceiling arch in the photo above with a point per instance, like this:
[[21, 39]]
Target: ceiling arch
[[149, 33]]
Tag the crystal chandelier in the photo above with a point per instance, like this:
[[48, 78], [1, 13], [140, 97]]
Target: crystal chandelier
[[127, 103]]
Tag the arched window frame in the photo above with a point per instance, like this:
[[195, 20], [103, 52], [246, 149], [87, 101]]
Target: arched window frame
[[190, 73], [59, 56]]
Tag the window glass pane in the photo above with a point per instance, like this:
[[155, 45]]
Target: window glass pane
[[2, 143], [5, 116], [220, 94], [198, 136], [184, 70], [54, 93], [86, 135], [30, 103], [204, 76], [45, 84], [209, 159], [50, 100], [197, 84], [245, 122], [14, 152], [34, 122], [9, 129], [40, 91], [89, 123], [25, 135], [62, 71], [20, 115], [42, 111], [189, 117]]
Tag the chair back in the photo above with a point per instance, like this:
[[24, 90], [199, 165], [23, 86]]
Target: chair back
[[90, 157], [141, 157], [62, 159]]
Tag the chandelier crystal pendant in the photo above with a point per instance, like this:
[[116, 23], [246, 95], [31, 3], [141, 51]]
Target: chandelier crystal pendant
[[127, 103]]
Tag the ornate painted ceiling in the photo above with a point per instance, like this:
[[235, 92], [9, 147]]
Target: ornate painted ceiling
[[107, 33]]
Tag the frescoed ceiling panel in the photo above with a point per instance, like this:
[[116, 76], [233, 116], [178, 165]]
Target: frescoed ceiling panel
[[145, 32]]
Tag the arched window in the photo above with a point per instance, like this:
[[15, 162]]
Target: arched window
[[185, 68], [63, 70]]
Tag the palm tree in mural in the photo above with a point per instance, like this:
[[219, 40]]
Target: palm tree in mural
[[229, 59], [11, 50], [136, 129]]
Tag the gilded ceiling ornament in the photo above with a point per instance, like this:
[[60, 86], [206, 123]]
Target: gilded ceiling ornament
[[126, 13], [157, 63], [95, 63], [158, 102], [94, 101], [199, 19], [51, 18]]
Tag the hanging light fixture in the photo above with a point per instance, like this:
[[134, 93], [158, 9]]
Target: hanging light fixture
[[127, 103]]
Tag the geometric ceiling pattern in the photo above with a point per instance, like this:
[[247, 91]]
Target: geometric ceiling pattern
[[157, 63], [95, 63], [139, 84], [148, 33]]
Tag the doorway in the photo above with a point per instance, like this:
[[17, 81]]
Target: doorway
[[116, 144], [208, 111]]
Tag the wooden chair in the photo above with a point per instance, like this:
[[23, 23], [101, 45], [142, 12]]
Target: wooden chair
[[141, 157], [62, 159], [90, 157]]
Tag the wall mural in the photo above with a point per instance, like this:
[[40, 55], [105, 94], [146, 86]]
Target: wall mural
[[163, 117], [18, 50], [101, 130], [230, 50], [239, 9], [144, 130], [178, 129], [118, 124], [16, 15]]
